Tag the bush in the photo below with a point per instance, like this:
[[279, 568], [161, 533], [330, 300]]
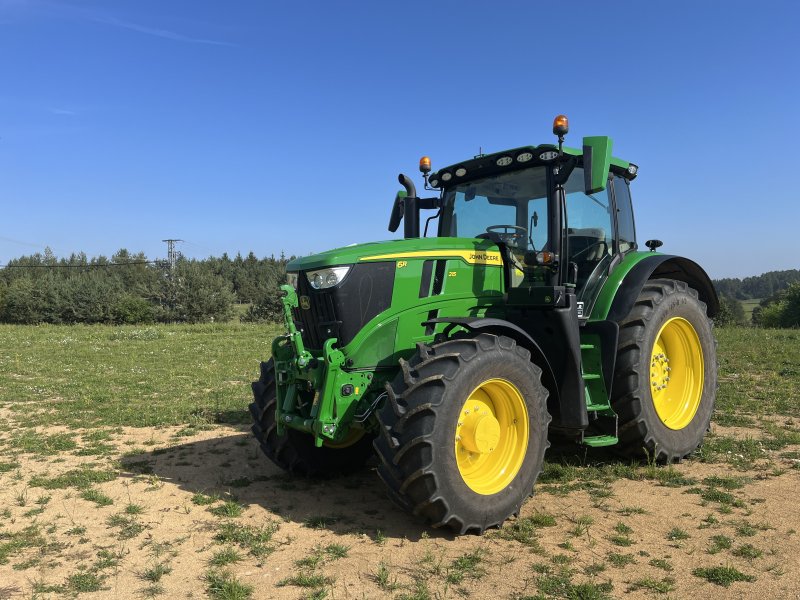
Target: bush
[[131, 310], [268, 309], [731, 312], [781, 310]]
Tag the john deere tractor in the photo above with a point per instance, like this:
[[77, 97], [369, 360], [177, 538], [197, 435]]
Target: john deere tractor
[[527, 309]]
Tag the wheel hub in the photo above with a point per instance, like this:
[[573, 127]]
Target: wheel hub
[[480, 432], [659, 371]]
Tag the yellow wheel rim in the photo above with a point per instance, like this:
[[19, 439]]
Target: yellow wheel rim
[[676, 373], [491, 437]]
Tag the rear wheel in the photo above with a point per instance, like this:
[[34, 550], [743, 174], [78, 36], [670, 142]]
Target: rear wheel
[[666, 375], [295, 451], [463, 432]]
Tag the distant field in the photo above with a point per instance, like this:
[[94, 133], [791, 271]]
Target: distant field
[[127, 470], [748, 306]]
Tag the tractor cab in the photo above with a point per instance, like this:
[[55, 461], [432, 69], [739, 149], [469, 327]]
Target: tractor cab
[[557, 223]]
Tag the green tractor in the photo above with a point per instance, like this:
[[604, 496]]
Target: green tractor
[[531, 312]]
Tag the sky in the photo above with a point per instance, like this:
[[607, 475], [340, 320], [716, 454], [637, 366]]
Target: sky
[[281, 127]]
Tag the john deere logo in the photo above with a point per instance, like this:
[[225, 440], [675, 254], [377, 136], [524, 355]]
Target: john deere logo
[[305, 303]]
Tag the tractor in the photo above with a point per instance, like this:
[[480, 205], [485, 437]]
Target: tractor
[[529, 310]]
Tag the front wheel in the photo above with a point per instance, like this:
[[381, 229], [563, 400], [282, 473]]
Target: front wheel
[[295, 451], [666, 375], [463, 432]]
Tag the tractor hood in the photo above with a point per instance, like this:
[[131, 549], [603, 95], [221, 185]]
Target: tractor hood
[[470, 250]]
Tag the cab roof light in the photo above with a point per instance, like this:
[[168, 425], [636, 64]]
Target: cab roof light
[[425, 165], [561, 125]]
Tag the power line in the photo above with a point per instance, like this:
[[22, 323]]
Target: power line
[[86, 266]]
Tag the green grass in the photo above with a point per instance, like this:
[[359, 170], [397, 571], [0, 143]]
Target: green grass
[[758, 371], [722, 575], [223, 585], [225, 556], [134, 509], [747, 551], [620, 560], [96, 496], [305, 580], [84, 581], [128, 527], [719, 543], [651, 584], [204, 499], [230, 509], [156, 572], [677, 534], [78, 478], [466, 565], [14, 543], [129, 375], [254, 539], [31, 442], [384, 578]]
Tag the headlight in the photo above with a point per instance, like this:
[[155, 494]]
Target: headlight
[[325, 278], [291, 279]]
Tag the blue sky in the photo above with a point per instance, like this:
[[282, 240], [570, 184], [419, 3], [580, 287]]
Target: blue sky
[[275, 126]]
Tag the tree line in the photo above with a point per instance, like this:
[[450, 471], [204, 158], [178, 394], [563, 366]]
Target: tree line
[[778, 293], [129, 288]]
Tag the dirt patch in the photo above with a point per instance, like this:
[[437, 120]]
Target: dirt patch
[[127, 512]]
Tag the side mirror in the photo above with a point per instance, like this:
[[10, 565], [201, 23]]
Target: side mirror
[[596, 163], [398, 209]]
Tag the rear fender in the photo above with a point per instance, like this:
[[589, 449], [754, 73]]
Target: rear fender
[[660, 266]]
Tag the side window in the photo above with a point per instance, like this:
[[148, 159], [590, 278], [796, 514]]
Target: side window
[[590, 225], [627, 231], [590, 233]]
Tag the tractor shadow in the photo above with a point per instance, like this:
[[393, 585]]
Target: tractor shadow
[[232, 466]]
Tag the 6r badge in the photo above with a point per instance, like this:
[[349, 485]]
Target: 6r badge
[[305, 302]]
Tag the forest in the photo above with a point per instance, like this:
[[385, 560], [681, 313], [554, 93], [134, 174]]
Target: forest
[[130, 288]]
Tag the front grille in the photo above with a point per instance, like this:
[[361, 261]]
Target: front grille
[[322, 311], [343, 310]]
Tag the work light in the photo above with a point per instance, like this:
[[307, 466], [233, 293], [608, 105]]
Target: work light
[[327, 278]]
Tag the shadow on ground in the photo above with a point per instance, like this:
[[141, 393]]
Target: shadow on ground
[[233, 466]]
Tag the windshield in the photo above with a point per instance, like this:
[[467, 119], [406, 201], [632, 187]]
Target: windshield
[[511, 208]]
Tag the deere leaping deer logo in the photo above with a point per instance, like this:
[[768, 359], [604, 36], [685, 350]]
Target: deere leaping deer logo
[[305, 302]]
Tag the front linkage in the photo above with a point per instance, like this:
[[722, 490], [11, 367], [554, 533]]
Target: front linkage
[[315, 394]]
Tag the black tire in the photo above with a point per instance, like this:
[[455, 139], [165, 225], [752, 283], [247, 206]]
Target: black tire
[[641, 431], [295, 452], [418, 426]]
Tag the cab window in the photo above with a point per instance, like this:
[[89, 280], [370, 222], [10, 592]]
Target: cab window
[[627, 230], [590, 233]]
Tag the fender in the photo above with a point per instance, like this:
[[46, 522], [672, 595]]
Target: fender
[[519, 335], [656, 266]]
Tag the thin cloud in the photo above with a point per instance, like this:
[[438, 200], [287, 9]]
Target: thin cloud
[[161, 33], [63, 111]]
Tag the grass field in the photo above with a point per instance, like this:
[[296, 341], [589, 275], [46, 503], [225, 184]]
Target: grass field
[[126, 470], [748, 306]]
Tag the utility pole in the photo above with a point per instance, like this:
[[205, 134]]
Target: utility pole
[[172, 254]]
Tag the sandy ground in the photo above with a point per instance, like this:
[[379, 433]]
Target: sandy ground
[[161, 473]]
